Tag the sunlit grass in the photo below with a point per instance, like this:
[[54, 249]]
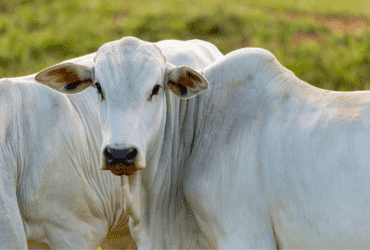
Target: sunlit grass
[[36, 34]]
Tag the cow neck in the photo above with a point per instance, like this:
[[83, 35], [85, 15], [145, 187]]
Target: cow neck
[[105, 186], [165, 218]]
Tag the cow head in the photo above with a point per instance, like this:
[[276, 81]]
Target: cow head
[[131, 77]]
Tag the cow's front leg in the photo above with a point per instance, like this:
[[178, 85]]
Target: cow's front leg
[[231, 213], [12, 233]]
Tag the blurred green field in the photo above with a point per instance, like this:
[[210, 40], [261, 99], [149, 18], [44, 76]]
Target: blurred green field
[[326, 43], [310, 39]]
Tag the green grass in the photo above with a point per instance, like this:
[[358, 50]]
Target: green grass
[[39, 33], [327, 6]]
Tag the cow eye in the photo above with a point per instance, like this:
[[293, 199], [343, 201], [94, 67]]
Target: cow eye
[[100, 92], [155, 91]]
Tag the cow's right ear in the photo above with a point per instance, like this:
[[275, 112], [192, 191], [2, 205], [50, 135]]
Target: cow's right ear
[[67, 78], [185, 82]]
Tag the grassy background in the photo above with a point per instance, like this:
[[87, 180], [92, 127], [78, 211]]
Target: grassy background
[[326, 43]]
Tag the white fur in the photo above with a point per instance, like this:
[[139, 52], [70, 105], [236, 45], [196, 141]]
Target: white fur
[[127, 70], [51, 188], [278, 163], [261, 160]]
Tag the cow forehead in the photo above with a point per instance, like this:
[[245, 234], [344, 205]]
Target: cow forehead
[[129, 64]]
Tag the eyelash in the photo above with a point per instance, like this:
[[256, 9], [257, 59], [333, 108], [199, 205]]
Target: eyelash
[[98, 87]]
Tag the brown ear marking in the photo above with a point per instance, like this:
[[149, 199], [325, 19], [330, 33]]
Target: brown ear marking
[[67, 78], [185, 80], [74, 85], [65, 74], [178, 88]]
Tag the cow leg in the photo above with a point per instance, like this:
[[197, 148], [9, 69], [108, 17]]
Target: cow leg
[[12, 233], [257, 235], [256, 240], [229, 216]]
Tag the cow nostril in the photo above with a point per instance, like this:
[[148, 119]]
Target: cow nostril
[[108, 153], [127, 155], [131, 153]]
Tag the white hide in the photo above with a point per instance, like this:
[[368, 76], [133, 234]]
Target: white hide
[[52, 192], [105, 187], [261, 160], [272, 162]]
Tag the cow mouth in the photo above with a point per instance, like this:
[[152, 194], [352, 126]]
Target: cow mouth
[[121, 169]]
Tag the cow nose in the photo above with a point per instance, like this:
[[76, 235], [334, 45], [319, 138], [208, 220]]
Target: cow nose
[[115, 156]]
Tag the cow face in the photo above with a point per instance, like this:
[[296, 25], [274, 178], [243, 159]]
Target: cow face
[[131, 77]]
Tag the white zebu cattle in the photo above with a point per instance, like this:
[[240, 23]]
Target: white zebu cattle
[[52, 189], [262, 160], [52, 193]]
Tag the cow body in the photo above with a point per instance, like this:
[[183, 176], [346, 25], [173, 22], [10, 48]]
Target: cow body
[[316, 178], [280, 163], [52, 190], [261, 160]]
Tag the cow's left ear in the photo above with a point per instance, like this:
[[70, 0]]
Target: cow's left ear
[[67, 78], [185, 82]]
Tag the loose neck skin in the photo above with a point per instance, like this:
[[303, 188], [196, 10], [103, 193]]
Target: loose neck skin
[[105, 185], [247, 88], [190, 126], [157, 191]]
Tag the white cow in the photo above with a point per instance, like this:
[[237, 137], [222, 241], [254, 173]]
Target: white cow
[[52, 191], [262, 160]]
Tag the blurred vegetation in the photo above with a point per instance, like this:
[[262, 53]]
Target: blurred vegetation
[[309, 39]]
